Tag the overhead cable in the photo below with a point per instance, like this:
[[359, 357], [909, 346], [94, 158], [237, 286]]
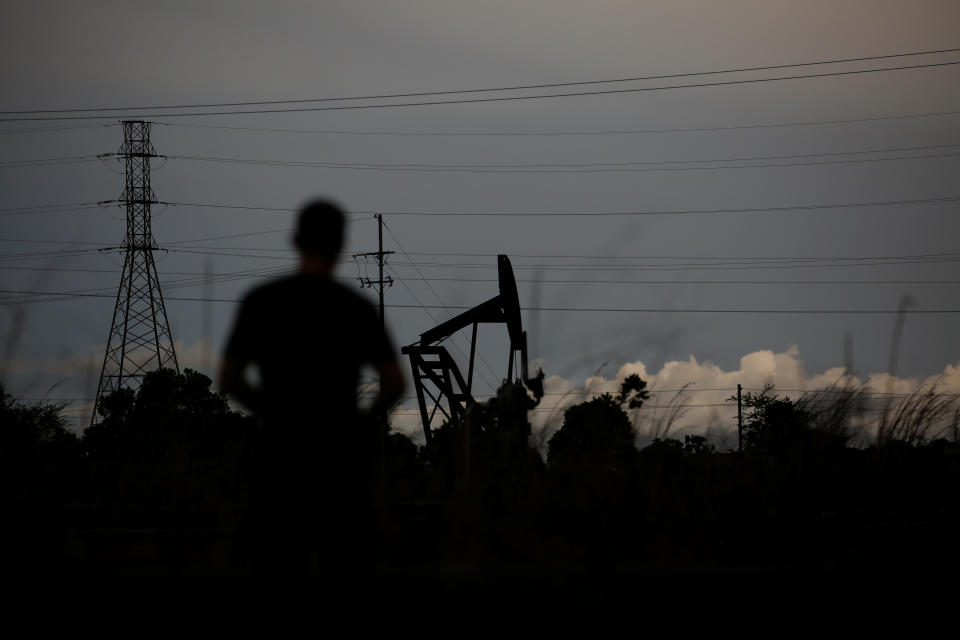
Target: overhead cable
[[20, 118]]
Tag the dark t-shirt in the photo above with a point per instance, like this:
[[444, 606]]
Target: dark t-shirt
[[309, 337], [311, 462]]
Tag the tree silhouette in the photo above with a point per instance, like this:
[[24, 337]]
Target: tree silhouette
[[39, 462], [37, 452], [633, 391], [30, 428], [164, 474], [173, 441], [697, 445], [589, 459], [772, 424], [596, 433]]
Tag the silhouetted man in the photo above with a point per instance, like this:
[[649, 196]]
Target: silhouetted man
[[308, 338]]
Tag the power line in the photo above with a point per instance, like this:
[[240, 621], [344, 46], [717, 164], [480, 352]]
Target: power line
[[727, 260], [760, 259], [46, 161], [207, 252], [53, 129], [746, 263], [815, 392], [579, 170], [358, 218], [479, 266], [601, 132], [278, 253], [194, 281], [66, 270], [557, 309], [232, 235], [175, 242], [63, 253], [680, 257], [715, 282], [239, 275], [582, 392], [691, 267], [729, 263], [612, 167], [487, 89], [558, 408], [22, 211], [770, 209], [41, 241], [472, 100], [230, 206], [542, 281], [185, 282], [41, 207], [414, 412], [728, 311]]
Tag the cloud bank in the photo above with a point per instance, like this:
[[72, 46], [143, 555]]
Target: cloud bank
[[687, 397], [699, 398]]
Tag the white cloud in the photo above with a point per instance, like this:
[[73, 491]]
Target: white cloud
[[72, 378], [695, 398], [688, 397]]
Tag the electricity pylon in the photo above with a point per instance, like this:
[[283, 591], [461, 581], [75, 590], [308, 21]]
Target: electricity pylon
[[140, 339]]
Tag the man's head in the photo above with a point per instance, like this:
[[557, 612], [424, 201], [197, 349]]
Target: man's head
[[320, 230]]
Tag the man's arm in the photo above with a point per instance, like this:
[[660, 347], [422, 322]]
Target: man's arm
[[234, 384], [392, 386]]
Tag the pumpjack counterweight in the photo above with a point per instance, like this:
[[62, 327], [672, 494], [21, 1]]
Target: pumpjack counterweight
[[435, 373], [140, 339]]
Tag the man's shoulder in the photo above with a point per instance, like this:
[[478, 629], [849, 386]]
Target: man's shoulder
[[267, 289], [299, 286]]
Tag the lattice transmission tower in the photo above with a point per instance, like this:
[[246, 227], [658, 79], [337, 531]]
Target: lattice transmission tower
[[140, 339]]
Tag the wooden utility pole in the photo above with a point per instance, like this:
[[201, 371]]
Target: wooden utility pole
[[739, 419], [379, 284], [380, 256]]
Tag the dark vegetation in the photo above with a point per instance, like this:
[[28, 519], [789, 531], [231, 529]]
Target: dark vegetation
[[160, 487]]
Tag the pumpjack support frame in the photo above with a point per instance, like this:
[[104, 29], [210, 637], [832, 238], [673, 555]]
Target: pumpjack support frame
[[435, 373]]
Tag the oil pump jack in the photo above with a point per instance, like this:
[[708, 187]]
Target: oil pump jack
[[436, 374]]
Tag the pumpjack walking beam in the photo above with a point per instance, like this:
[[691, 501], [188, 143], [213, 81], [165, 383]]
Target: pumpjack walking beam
[[432, 365]]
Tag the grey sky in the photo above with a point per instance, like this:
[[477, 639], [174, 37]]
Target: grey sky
[[71, 55]]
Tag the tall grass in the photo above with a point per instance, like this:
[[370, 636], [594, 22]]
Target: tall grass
[[660, 421], [838, 409], [922, 416], [851, 409], [847, 409]]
